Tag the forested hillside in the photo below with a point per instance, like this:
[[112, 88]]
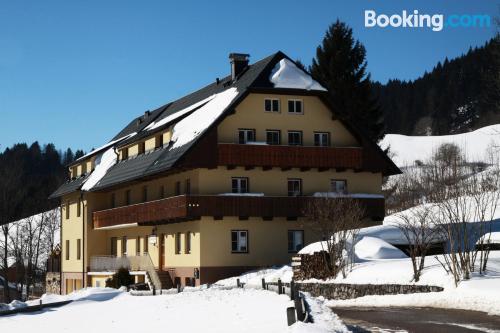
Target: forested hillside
[[457, 96], [28, 175]]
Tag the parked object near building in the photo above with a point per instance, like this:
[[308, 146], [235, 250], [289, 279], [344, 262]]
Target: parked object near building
[[215, 183]]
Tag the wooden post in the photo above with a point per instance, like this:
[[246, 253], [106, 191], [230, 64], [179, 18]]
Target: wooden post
[[154, 291], [263, 283], [178, 287], [290, 315], [292, 290], [238, 283], [280, 289], [300, 309]]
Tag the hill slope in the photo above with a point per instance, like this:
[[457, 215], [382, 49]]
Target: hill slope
[[457, 96]]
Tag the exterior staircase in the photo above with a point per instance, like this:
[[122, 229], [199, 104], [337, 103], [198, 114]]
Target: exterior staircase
[[166, 281]]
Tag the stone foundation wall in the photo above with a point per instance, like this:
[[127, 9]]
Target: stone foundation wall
[[349, 291], [53, 283]]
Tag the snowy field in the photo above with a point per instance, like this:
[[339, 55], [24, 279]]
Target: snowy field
[[407, 149], [198, 309]]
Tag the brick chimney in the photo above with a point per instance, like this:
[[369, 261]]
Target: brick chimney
[[239, 62]]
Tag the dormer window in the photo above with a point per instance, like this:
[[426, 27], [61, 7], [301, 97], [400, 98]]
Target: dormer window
[[295, 106], [142, 147], [272, 105], [124, 153], [246, 135], [159, 141]]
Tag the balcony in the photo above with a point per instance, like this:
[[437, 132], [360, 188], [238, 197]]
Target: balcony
[[268, 156], [192, 207]]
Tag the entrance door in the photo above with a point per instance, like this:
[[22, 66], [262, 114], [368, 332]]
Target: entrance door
[[162, 251]]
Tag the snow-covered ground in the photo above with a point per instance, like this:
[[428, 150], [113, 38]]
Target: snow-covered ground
[[408, 149], [215, 309]]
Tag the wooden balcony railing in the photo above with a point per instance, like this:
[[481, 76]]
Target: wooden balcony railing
[[191, 207], [289, 156]]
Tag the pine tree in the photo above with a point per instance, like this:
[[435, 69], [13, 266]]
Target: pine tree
[[340, 66]]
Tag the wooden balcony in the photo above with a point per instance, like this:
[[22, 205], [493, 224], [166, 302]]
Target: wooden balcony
[[268, 156], [192, 207]]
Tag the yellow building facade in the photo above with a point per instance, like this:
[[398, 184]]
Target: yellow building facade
[[227, 204]]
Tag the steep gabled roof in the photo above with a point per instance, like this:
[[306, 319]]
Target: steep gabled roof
[[254, 78]]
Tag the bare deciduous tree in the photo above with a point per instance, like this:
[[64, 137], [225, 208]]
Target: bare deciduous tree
[[337, 221], [417, 226]]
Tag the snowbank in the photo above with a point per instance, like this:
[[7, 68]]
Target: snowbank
[[407, 149], [376, 248], [254, 278], [204, 309], [286, 75], [491, 238]]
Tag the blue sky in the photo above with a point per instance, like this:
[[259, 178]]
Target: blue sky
[[75, 72]]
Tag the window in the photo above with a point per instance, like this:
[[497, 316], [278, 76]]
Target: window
[[294, 187], [178, 243], [159, 141], [128, 199], [177, 190], [142, 147], [295, 106], [138, 245], [295, 240], [239, 241], [188, 186], [273, 137], [239, 185], [162, 192], [124, 245], [125, 153], [295, 138], [187, 242], [144, 193], [322, 139], [146, 243], [67, 249], [78, 249], [113, 200], [79, 207], [67, 210], [114, 247], [272, 105], [338, 186], [246, 135]]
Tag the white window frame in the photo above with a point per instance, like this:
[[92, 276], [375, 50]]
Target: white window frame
[[246, 131], [239, 187], [324, 139], [272, 100], [294, 193], [295, 101], [301, 138], [334, 186], [241, 241], [295, 243], [274, 131]]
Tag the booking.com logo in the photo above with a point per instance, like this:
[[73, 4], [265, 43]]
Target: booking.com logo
[[416, 20]]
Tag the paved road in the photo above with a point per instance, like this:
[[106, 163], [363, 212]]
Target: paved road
[[427, 320]]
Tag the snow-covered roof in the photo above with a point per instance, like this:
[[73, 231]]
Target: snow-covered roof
[[287, 75], [190, 117]]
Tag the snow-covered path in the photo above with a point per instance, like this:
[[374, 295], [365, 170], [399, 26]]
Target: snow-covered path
[[208, 310]]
